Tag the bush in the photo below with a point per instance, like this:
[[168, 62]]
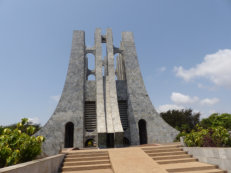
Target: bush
[[17, 146], [1, 129], [14, 126], [177, 139], [211, 137]]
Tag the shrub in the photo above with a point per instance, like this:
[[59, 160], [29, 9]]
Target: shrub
[[17, 146], [1, 129], [23, 129], [211, 137], [180, 135]]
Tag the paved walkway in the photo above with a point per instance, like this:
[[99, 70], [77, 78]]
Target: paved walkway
[[133, 159]]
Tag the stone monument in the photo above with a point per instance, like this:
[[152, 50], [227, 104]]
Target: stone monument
[[114, 110]]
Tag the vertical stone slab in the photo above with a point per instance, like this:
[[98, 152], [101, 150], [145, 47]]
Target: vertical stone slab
[[100, 111], [120, 68], [71, 104], [109, 120], [112, 83], [112, 98], [139, 104], [101, 124]]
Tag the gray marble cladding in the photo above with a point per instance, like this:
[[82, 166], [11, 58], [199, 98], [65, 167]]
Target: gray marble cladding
[[71, 104], [139, 104], [90, 91], [100, 103], [121, 87], [111, 95]]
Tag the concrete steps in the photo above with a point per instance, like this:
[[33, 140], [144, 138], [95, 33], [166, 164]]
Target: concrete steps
[[173, 159], [186, 167], [91, 171], [86, 163], [90, 161], [86, 158], [206, 171], [86, 167], [163, 150], [145, 159], [85, 155], [184, 160], [167, 153]]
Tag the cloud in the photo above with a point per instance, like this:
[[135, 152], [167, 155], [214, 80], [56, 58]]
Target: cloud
[[199, 85], [207, 113], [166, 107], [209, 102], [55, 98], [215, 67], [162, 69], [34, 120], [182, 101], [179, 98]]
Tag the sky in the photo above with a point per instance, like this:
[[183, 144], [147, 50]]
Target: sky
[[183, 47]]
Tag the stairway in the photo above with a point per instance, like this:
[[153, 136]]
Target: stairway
[[86, 162], [123, 108], [173, 159], [90, 116]]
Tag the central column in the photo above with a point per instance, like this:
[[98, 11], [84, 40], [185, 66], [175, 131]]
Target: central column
[[111, 94], [100, 111]]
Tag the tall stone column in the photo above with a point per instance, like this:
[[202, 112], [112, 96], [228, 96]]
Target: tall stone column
[[70, 108], [139, 104], [100, 110], [111, 95]]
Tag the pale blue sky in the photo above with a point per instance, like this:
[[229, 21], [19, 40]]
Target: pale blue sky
[[35, 43]]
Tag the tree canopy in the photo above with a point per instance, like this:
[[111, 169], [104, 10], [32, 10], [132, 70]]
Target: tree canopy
[[182, 120], [215, 120]]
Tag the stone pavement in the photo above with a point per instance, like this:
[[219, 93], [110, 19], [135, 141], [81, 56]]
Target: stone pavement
[[140, 159]]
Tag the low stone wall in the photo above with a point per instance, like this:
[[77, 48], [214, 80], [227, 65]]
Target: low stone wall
[[45, 165], [216, 156]]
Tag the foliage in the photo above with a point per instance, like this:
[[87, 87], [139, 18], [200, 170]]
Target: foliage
[[211, 137], [14, 126], [216, 119], [17, 145], [1, 129], [180, 135], [182, 120]]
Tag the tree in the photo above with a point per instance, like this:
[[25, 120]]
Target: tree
[[18, 145], [182, 120], [215, 120]]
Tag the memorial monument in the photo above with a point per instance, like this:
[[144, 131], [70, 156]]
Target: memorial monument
[[114, 110]]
